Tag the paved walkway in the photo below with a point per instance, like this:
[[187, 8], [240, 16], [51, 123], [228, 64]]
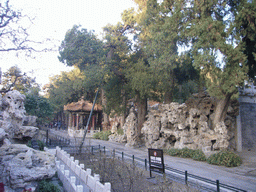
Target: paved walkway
[[243, 177]]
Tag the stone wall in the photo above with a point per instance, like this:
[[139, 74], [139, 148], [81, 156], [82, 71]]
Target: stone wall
[[248, 125]]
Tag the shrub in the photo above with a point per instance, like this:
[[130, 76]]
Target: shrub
[[29, 144], [198, 155], [96, 135], [120, 131], [103, 135], [186, 153], [46, 186], [173, 152], [226, 158], [41, 145]]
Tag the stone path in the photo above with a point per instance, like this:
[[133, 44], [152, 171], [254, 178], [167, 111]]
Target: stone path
[[243, 177]]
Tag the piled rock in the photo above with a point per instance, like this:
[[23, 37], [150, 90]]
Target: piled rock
[[130, 129], [189, 125], [20, 166]]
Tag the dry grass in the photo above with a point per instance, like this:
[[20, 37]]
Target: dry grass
[[128, 177]]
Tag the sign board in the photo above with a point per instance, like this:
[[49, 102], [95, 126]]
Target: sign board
[[156, 160]]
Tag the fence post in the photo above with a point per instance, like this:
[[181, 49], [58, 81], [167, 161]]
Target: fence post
[[133, 159], [113, 153], [92, 150], [146, 164], [218, 185], [186, 177], [104, 149], [47, 137], [122, 156]]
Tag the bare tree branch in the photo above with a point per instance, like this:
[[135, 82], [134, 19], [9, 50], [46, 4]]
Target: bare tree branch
[[14, 36]]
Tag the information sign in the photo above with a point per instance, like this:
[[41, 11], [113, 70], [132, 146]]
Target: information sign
[[156, 160]]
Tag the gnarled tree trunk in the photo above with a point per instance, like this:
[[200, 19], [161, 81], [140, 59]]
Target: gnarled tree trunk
[[105, 115], [221, 109], [142, 112]]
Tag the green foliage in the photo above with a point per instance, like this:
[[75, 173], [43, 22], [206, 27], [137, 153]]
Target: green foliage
[[217, 50], [29, 144], [186, 153], [81, 48], [246, 28], [14, 79], [120, 131], [39, 106], [173, 152], [225, 158], [197, 155], [46, 186], [103, 135], [41, 145], [68, 87]]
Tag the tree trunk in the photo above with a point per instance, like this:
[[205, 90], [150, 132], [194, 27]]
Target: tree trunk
[[125, 110], [105, 115], [142, 112], [168, 96], [221, 110]]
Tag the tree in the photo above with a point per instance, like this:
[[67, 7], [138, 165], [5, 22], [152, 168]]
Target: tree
[[13, 35], [217, 50], [245, 23], [81, 48], [14, 79], [39, 106], [66, 88], [161, 27]]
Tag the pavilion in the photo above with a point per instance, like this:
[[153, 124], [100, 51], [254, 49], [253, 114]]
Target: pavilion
[[78, 114]]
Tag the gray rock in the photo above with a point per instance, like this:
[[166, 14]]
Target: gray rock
[[21, 165], [27, 132]]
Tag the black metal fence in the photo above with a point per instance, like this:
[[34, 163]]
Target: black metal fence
[[175, 174]]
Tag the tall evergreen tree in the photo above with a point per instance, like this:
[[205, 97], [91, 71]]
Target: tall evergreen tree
[[245, 23], [217, 51], [161, 33]]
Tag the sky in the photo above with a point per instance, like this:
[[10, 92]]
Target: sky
[[52, 19]]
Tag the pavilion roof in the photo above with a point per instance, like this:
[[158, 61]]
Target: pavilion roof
[[81, 106]]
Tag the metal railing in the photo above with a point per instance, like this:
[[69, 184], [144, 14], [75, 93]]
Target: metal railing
[[178, 175], [187, 178]]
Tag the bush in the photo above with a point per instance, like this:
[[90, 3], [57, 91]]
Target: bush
[[198, 155], [103, 135], [120, 131], [186, 153], [41, 145], [173, 152], [29, 144], [46, 186], [226, 158], [96, 135]]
